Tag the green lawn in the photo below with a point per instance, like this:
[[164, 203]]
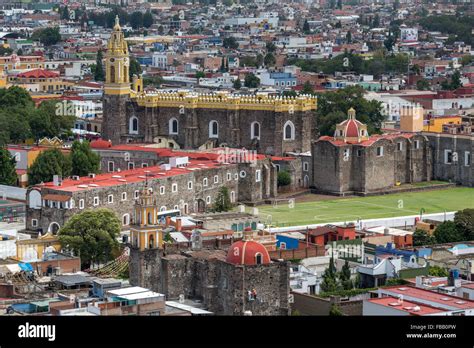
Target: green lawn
[[351, 209]]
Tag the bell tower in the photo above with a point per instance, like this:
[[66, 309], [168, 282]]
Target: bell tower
[[117, 81], [145, 231], [115, 124]]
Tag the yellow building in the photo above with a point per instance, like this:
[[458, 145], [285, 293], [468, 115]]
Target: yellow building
[[436, 123], [33, 249], [15, 62], [41, 80], [146, 232]]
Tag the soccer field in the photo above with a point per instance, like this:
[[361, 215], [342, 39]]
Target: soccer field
[[351, 209]]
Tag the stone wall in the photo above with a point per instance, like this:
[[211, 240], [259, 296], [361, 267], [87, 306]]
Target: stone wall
[[223, 287], [354, 168], [455, 172], [193, 126]]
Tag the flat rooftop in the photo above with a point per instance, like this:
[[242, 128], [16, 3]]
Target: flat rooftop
[[432, 296], [413, 308]]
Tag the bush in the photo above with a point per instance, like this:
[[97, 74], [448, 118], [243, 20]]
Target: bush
[[284, 178]]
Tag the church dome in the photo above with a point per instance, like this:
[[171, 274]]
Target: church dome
[[351, 129], [100, 144], [247, 252]]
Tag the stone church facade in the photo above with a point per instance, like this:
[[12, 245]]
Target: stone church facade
[[352, 162], [269, 124]]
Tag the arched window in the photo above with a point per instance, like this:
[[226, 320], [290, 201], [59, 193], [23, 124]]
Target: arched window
[[112, 74], [289, 131], [133, 126], [213, 129], [125, 219], [151, 241], [149, 219], [258, 258], [173, 126], [255, 130]]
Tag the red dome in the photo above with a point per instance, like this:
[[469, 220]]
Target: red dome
[[352, 129], [100, 144], [246, 252]]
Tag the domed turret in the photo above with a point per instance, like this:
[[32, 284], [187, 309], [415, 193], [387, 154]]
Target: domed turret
[[247, 252], [351, 130]]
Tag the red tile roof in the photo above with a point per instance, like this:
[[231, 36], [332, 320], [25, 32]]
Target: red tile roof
[[369, 142], [38, 73]]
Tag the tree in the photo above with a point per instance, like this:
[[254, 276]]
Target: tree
[[222, 200], [147, 19], [47, 36], [99, 74], [447, 232], [251, 81], [51, 119], [91, 235], [136, 20], [345, 276], [349, 37], [65, 13], [135, 67], [306, 28], [423, 85], [269, 59], [464, 220], [49, 163], [333, 106], [83, 160], [455, 80], [237, 84], [283, 178], [230, 42], [307, 88], [421, 237], [270, 46], [330, 282], [335, 310], [437, 271], [7, 168]]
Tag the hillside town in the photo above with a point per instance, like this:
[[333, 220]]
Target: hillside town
[[236, 158]]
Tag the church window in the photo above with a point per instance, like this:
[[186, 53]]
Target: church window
[[174, 188], [151, 241], [258, 258], [162, 190], [133, 126], [208, 199], [112, 74], [289, 131], [213, 129], [255, 130], [417, 144], [400, 146], [204, 182], [125, 219], [173, 126], [380, 151]]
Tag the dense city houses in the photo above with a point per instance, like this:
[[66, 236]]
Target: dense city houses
[[241, 158]]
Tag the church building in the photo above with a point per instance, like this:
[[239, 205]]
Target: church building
[[269, 124]]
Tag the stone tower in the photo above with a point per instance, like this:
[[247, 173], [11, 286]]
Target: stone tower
[[116, 87]]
